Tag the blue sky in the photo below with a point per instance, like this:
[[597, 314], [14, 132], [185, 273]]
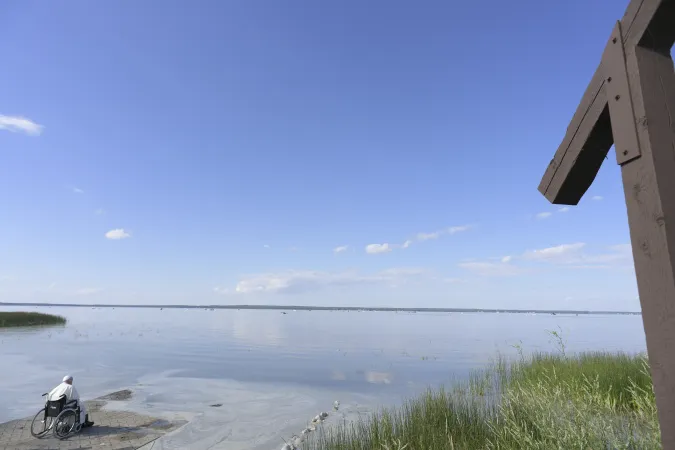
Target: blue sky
[[222, 151]]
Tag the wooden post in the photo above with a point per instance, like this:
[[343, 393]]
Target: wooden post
[[630, 102], [649, 189]]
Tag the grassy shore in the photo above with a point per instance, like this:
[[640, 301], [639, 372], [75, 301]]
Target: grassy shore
[[543, 402], [28, 319]]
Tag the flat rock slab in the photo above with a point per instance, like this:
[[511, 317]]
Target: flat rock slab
[[113, 430]]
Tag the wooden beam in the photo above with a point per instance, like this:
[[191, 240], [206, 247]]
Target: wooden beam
[[660, 34], [589, 134], [631, 102], [649, 189], [619, 99]]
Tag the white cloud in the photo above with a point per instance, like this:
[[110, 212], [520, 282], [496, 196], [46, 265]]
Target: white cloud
[[556, 253], [78, 190], [618, 256], [492, 269], [459, 229], [341, 249], [576, 256], [291, 282], [597, 198], [222, 290], [427, 236], [572, 256], [118, 233], [266, 246], [88, 291], [622, 248], [18, 124], [378, 248], [543, 215], [439, 233], [420, 237], [402, 272], [453, 280], [564, 209]]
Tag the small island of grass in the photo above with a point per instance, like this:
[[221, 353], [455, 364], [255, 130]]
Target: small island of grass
[[547, 401], [29, 319]]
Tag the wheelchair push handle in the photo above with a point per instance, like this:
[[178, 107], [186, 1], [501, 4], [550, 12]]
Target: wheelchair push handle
[[45, 394]]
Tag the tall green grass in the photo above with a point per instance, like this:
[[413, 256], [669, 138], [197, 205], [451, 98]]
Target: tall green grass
[[546, 401], [27, 319]]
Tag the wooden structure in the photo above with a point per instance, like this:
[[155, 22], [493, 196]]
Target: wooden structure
[[630, 102]]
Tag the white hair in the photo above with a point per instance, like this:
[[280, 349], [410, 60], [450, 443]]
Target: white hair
[[67, 378]]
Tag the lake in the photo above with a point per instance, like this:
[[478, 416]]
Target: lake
[[272, 372]]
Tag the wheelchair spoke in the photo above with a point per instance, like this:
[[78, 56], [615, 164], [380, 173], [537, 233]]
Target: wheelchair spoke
[[40, 424], [65, 423]]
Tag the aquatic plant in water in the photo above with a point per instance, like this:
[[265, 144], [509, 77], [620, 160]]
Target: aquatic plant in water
[[546, 401]]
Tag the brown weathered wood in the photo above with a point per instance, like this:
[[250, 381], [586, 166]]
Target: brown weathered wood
[[619, 100], [649, 188], [584, 147], [586, 143], [631, 102], [660, 32]]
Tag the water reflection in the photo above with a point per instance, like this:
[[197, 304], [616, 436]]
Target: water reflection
[[379, 377], [272, 361], [266, 329]]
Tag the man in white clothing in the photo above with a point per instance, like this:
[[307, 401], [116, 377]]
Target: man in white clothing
[[66, 388]]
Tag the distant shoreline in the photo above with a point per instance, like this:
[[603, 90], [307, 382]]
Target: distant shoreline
[[333, 308]]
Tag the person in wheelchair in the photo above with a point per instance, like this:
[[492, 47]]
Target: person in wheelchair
[[66, 388]]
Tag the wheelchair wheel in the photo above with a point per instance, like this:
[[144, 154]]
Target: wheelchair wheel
[[41, 424], [65, 423]]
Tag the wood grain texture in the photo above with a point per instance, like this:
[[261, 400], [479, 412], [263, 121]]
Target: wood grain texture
[[630, 102], [649, 189], [619, 99], [584, 147]]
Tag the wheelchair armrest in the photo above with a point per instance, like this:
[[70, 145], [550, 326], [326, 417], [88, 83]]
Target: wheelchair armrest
[[71, 404]]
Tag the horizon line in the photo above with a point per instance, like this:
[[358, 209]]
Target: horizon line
[[327, 308]]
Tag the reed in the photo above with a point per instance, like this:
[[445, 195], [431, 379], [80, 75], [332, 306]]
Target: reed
[[545, 401], [28, 319]]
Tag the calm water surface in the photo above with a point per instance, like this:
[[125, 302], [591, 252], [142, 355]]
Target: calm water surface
[[271, 371]]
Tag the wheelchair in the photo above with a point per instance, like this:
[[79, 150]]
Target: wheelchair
[[58, 416]]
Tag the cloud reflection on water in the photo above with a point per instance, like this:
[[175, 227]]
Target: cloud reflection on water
[[366, 358], [379, 377]]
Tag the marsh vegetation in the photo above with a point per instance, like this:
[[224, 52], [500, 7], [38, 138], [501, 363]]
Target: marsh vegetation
[[595, 400], [29, 319]]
